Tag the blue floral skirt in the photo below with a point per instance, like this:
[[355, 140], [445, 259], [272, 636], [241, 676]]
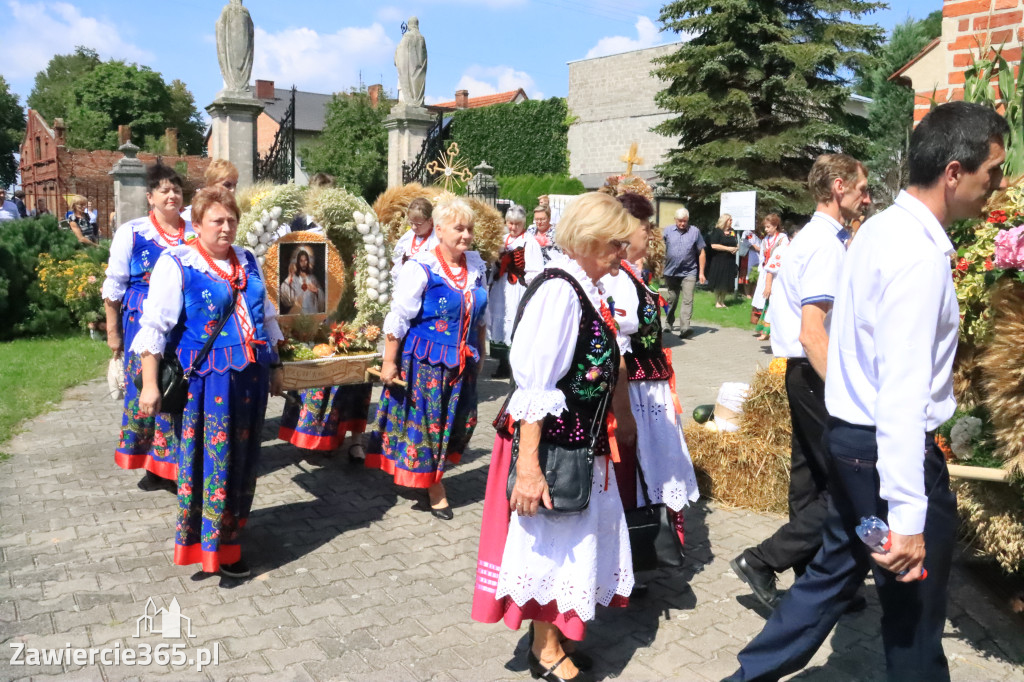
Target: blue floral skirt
[[220, 450], [146, 442], [422, 429], [320, 418]]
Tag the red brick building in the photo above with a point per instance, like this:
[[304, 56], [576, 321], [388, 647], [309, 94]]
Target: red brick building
[[51, 171], [969, 28]]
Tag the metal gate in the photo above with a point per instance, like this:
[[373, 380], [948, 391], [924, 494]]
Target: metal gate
[[432, 147], [278, 166]]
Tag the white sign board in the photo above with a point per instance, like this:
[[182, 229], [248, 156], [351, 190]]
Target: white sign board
[[742, 206]]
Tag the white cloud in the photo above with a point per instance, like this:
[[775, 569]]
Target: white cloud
[[323, 62], [39, 30], [647, 35], [390, 14], [489, 80]]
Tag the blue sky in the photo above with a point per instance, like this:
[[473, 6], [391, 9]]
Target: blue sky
[[484, 46]]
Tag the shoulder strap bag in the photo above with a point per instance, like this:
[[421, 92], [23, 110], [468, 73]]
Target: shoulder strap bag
[[173, 379]]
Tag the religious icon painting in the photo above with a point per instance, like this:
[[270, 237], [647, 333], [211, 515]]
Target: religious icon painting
[[305, 275]]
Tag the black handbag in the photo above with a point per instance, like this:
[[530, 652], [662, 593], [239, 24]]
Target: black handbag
[[172, 377], [652, 533], [569, 472]]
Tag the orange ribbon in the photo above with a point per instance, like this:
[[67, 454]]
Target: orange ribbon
[[672, 380]]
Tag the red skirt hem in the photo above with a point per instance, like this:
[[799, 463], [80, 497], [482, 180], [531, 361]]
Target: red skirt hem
[[185, 555], [308, 441], [167, 470], [408, 479]]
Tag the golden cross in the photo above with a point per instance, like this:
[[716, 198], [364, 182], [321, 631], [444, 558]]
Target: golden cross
[[630, 159]]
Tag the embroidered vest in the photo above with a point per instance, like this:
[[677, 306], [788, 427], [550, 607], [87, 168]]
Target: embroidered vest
[[207, 299], [647, 360], [512, 265], [592, 374], [447, 322], [145, 253]]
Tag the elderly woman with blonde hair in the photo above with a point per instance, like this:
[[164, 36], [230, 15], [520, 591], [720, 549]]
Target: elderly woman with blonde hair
[[535, 562], [435, 332], [722, 267], [220, 173]]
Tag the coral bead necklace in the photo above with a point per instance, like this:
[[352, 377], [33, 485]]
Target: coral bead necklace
[[172, 239], [458, 280], [236, 278]]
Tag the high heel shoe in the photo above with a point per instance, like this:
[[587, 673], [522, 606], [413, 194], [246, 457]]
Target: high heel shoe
[[539, 672], [579, 659]]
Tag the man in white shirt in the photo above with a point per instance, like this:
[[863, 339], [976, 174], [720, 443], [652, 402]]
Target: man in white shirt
[[802, 295], [889, 386], [8, 209]]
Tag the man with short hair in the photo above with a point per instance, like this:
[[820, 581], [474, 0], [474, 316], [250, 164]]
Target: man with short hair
[[894, 331], [684, 267], [19, 201], [8, 209], [802, 295]]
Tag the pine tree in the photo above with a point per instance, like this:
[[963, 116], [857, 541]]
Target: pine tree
[[758, 93]]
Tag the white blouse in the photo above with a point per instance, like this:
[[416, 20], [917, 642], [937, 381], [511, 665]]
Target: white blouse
[[411, 282], [545, 340], [162, 309], [776, 248], [119, 267], [620, 287], [534, 259], [404, 249]]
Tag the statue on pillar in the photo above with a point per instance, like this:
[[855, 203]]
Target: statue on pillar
[[411, 62], [235, 48]]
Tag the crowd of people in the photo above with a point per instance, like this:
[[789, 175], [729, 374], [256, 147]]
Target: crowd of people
[[575, 322]]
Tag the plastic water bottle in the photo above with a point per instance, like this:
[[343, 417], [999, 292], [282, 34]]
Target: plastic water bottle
[[874, 532]]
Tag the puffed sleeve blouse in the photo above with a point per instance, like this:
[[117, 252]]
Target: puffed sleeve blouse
[[119, 264]]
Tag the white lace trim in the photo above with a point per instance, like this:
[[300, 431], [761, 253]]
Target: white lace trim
[[474, 263], [395, 325], [576, 560], [191, 257], [144, 228], [534, 404], [113, 290], [594, 292], [148, 340]]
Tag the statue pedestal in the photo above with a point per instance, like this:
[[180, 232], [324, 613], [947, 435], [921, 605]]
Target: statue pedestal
[[407, 129], [233, 132], [129, 187]]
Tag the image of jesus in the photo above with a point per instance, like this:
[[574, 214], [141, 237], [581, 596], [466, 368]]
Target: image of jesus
[[301, 293]]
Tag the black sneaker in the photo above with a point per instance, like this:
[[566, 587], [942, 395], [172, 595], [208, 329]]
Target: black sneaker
[[762, 583], [239, 569]]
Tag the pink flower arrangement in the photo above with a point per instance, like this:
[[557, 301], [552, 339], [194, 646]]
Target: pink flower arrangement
[[1010, 248]]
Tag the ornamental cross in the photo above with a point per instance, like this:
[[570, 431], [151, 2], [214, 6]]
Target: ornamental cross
[[630, 159], [452, 170]]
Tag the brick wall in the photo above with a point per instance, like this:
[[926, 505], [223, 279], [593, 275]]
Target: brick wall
[[969, 28], [613, 100]]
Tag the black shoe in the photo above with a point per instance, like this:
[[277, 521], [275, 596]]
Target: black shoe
[[857, 604], [639, 591], [762, 583], [150, 482], [686, 333], [579, 659], [239, 569], [538, 671]]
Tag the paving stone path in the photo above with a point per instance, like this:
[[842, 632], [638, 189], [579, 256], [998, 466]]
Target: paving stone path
[[350, 583]]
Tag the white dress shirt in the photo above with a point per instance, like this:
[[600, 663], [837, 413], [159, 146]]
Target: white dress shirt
[[809, 274], [890, 357]]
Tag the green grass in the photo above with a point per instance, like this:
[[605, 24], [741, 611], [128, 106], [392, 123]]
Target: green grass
[[35, 372], [736, 314]]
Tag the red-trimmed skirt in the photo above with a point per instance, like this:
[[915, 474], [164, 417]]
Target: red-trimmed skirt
[[322, 417]]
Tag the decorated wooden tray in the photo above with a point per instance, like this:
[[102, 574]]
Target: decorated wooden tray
[[333, 371]]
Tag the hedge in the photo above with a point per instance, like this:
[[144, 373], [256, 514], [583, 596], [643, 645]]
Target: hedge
[[516, 139], [524, 189], [25, 309]]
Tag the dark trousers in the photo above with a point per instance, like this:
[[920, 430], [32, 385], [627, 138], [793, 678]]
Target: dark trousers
[[913, 614], [795, 543]]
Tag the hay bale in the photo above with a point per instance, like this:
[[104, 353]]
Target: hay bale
[[1002, 368], [992, 521]]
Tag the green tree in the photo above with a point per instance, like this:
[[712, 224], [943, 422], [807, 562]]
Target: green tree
[[114, 94], [51, 94], [354, 145], [530, 137], [758, 93], [12, 128], [891, 116]]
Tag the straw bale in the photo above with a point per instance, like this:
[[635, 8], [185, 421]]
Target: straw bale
[[993, 521], [1002, 366]]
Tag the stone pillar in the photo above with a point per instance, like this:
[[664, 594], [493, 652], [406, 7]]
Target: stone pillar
[[129, 186], [233, 133], [407, 129]]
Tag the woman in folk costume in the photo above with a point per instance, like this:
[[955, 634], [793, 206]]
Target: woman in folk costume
[[536, 564], [435, 331], [661, 449], [419, 238], [519, 262], [194, 288], [320, 418], [772, 246], [146, 442]]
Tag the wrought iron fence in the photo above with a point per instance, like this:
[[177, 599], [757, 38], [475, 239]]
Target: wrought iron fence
[[278, 166]]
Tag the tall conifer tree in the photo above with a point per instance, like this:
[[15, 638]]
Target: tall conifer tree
[[758, 93]]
